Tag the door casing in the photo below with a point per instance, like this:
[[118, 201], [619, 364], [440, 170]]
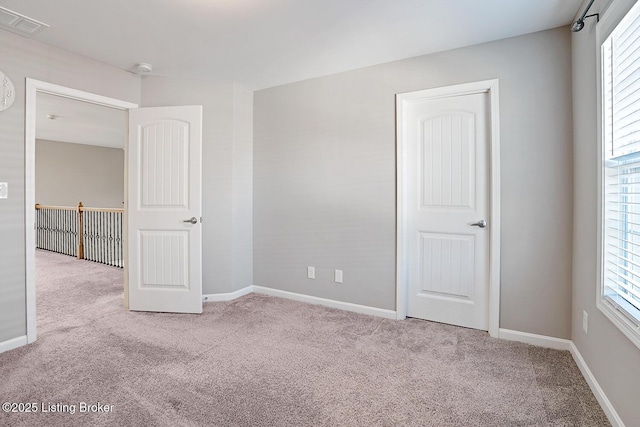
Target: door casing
[[33, 87], [486, 86]]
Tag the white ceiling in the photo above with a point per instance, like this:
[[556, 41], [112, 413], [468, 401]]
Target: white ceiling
[[264, 43], [79, 122]]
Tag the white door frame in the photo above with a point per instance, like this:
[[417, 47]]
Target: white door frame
[[33, 87], [487, 86]]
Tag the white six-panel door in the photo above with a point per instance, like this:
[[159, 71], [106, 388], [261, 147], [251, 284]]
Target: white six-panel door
[[447, 193], [164, 209]]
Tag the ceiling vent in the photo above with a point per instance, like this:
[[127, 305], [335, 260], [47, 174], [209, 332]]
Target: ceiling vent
[[16, 23]]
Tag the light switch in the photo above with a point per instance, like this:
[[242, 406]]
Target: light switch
[[338, 276], [4, 190]]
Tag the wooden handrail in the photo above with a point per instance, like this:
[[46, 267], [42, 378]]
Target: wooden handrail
[[117, 210], [80, 208], [59, 208]]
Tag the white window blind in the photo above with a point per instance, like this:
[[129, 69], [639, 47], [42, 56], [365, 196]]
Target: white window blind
[[621, 139]]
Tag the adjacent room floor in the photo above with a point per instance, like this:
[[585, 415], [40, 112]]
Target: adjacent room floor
[[265, 361]]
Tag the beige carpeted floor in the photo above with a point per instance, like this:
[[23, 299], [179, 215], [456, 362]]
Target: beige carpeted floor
[[265, 361]]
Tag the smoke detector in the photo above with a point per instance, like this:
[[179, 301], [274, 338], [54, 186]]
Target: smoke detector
[[143, 68]]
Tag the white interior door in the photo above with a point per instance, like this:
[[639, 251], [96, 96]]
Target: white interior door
[[164, 209], [447, 200]]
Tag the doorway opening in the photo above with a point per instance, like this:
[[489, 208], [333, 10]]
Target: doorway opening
[[79, 179], [34, 89], [448, 205]]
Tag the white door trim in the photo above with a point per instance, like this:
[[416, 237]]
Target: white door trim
[[32, 89], [490, 87]]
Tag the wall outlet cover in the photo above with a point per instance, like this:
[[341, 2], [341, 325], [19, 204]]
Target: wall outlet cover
[[4, 190]]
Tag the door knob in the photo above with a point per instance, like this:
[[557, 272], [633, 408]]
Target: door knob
[[482, 224], [192, 220]]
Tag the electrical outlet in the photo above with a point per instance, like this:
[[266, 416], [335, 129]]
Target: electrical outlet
[[4, 190], [338, 276], [311, 272], [585, 322]]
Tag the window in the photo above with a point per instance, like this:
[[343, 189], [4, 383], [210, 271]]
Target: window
[[620, 82]]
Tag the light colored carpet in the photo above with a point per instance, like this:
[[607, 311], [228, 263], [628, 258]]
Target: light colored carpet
[[265, 361]]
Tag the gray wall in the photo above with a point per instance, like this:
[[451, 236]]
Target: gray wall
[[242, 189], [23, 58], [227, 174], [70, 173], [324, 177], [613, 359]]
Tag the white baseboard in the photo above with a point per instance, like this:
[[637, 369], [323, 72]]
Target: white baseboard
[[227, 296], [363, 309], [535, 339], [13, 343], [357, 308], [606, 405]]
